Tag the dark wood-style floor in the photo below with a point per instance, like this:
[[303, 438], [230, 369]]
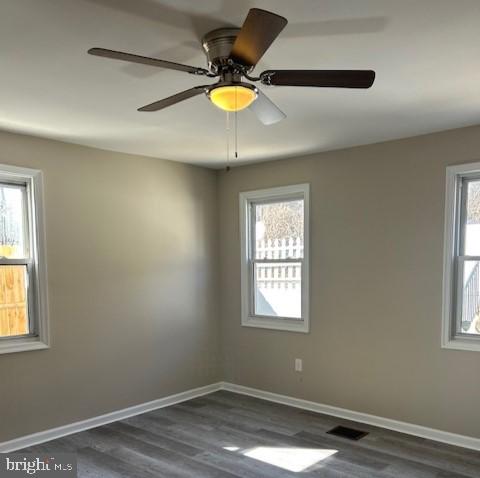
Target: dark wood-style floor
[[211, 437]]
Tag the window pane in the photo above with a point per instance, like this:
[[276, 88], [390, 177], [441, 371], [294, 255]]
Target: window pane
[[278, 289], [13, 301], [470, 323], [12, 222], [279, 230], [472, 229]]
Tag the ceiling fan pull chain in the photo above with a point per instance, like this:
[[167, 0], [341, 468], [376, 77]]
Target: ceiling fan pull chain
[[227, 128], [236, 136], [236, 125]]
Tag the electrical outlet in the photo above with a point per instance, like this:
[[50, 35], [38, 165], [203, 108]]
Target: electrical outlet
[[298, 365]]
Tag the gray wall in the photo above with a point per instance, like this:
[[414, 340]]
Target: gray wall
[[131, 255], [133, 248], [377, 218]]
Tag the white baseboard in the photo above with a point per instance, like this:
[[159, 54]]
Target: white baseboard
[[47, 435], [402, 427]]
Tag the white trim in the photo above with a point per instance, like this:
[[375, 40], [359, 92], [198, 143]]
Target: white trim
[[388, 423], [33, 178], [40, 243], [21, 344], [274, 323], [53, 433], [452, 200], [448, 254]]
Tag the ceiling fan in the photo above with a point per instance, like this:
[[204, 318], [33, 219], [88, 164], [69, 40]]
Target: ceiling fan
[[232, 54]]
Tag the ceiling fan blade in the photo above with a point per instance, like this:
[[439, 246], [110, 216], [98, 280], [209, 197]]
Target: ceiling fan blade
[[171, 100], [145, 60], [266, 110], [319, 78], [256, 35]]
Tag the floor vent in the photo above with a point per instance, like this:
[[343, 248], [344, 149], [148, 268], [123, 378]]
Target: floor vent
[[348, 433]]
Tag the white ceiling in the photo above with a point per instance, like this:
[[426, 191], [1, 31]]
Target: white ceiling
[[425, 53]]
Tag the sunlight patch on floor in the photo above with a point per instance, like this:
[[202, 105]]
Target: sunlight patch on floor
[[291, 459]]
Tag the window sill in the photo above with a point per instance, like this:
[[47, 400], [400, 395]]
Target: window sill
[[472, 345], [285, 325], [22, 345]]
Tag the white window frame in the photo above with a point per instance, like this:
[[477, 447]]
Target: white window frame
[[249, 319], [453, 262], [39, 338]]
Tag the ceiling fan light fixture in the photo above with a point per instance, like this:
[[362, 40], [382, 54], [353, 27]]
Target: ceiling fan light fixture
[[233, 97], [232, 53]]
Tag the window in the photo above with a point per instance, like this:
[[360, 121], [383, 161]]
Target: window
[[274, 251], [23, 321], [461, 308]]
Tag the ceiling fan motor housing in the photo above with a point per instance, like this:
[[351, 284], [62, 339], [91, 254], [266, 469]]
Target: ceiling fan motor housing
[[217, 45], [232, 53]]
